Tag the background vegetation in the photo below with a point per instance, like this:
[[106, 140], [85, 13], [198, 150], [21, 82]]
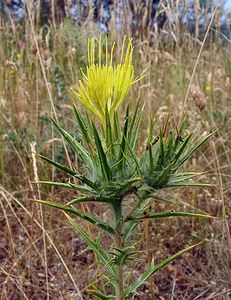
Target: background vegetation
[[41, 257]]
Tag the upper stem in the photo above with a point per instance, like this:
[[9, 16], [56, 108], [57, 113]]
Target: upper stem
[[117, 207]]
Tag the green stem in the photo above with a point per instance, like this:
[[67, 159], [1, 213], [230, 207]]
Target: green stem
[[117, 207], [120, 284], [119, 244]]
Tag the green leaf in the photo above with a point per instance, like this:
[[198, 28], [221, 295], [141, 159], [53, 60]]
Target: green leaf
[[78, 213], [133, 120], [169, 152], [59, 166], [182, 147], [76, 146], [154, 268], [150, 156], [134, 157], [83, 126], [99, 295], [69, 185], [117, 131], [89, 199], [106, 171], [150, 132], [88, 182], [74, 173], [81, 200], [155, 196], [127, 184], [193, 149], [166, 214], [161, 146], [183, 183], [135, 134], [185, 176], [149, 144], [102, 255], [129, 229], [163, 177], [124, 255], [181, 179], [108, 135], [122, 154]]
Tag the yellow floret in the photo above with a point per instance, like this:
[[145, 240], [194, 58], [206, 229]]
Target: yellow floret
[[104, 83]]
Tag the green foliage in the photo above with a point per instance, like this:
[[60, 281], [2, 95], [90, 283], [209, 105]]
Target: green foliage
[[113, 169], [153, 269]]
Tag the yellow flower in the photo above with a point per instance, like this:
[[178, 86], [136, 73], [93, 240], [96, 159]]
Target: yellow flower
[[104, 83]]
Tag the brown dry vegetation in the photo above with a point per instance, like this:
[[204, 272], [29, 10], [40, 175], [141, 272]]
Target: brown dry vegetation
[[40, 256]]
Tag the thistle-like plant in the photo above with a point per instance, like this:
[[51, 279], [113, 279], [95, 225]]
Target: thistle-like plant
[[114, 169]]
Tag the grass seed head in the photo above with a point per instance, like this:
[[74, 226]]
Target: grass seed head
[[198, 97]]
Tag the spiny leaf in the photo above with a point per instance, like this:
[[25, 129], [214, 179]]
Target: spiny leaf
[[102, 156], [135, 134], [129, 229], [99, 295], [150, 132], [82, 125], [186, 175], [108, 136], [81, 199], [193, 149], [59, 166], [127, 184], [74, 173], [154, 196], [87, 182], [117, 131], [161, 146], [89, 199], [122, 154], [78, 213], [75, 145], [133, 120], [134, 157], [181, 179], [149, 144], [166, 214], [183, 183], [163, 176], [69, 185], [182, 147], [121, 256], [154, 268], [93, 245]]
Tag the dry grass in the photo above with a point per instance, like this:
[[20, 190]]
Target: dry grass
[[40, 256]]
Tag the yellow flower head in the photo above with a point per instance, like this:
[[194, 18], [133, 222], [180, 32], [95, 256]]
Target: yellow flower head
[[104, 83]]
